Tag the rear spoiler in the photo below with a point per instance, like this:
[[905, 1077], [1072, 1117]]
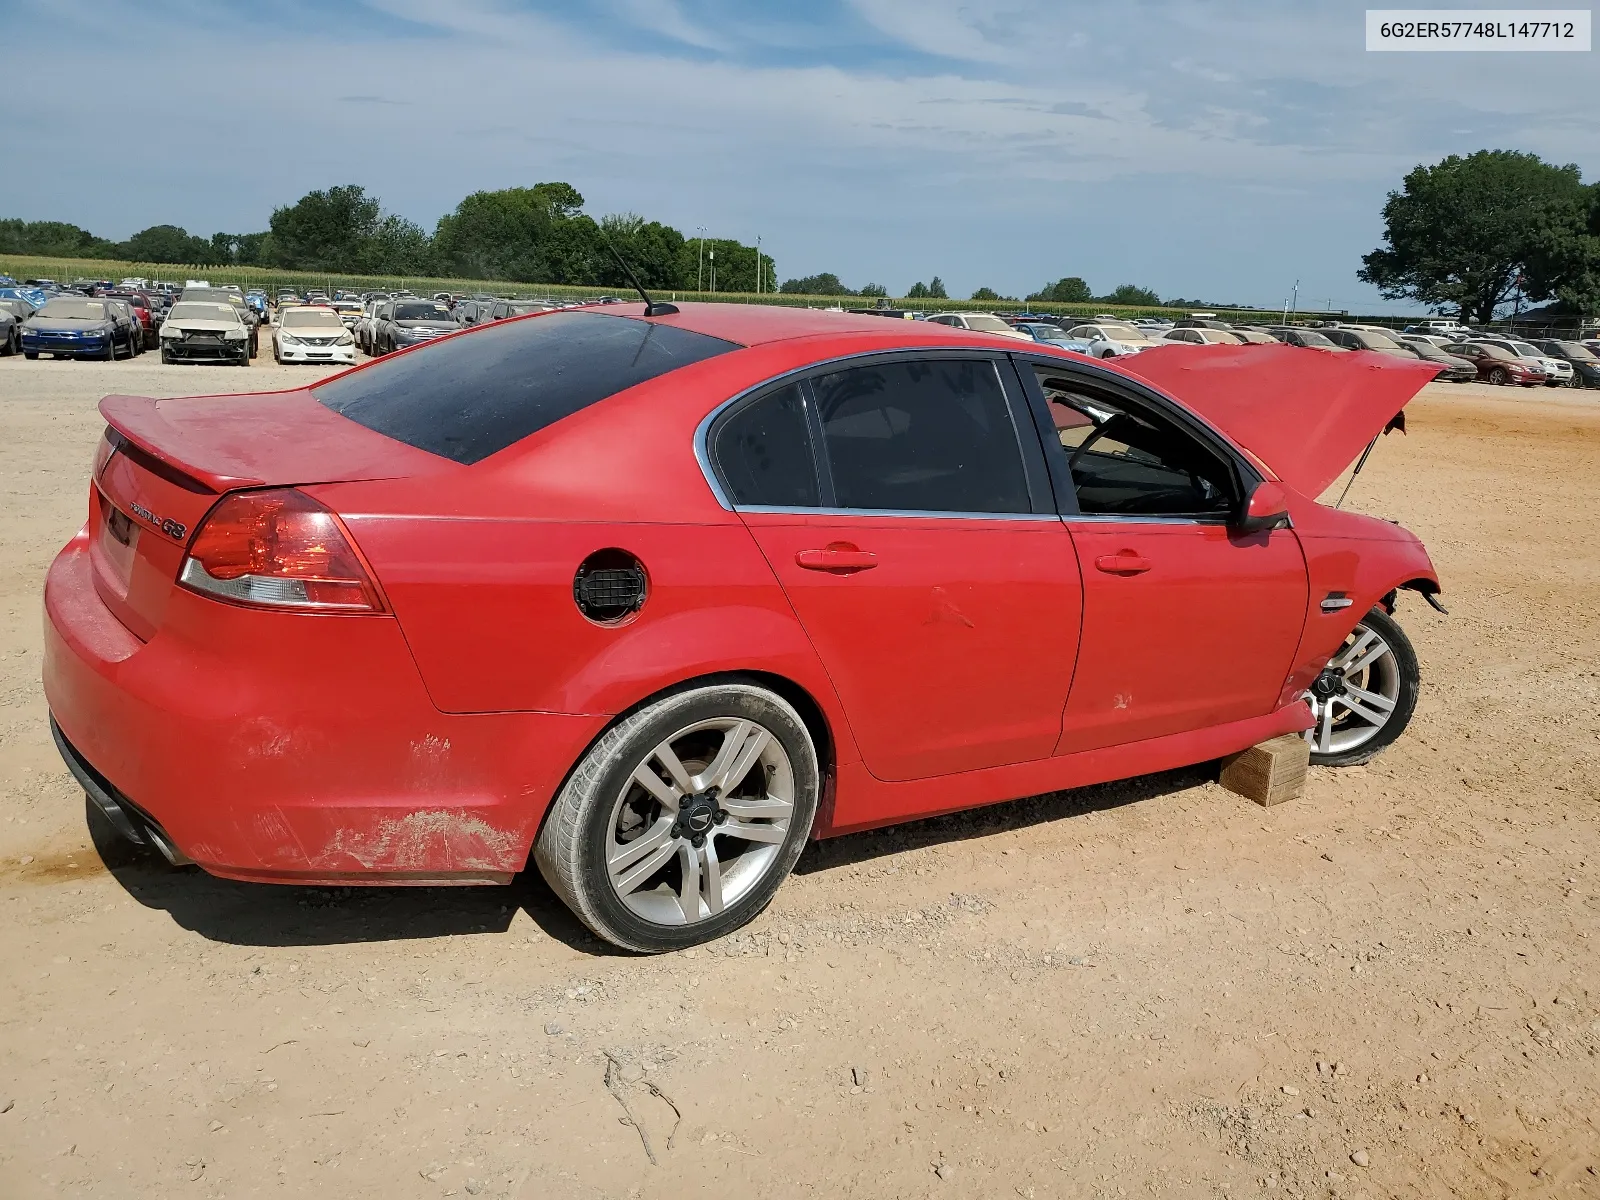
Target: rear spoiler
[[140, 423]]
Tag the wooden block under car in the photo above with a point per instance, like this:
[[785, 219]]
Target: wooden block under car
[[1270, 773]]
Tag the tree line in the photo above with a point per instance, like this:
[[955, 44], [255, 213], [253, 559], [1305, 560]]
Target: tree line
[[537, 234]]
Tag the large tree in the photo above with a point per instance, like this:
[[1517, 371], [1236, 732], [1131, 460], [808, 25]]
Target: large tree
[[652, 250], [1130, 293], [166, 244], [1071, 290], [825, 283], [325, 231], [1566, 261], [536, 234], [1466, 233]]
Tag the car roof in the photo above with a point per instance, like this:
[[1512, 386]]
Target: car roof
[[760, 324]]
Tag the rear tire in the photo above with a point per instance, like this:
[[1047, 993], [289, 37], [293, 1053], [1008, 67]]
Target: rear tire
[[703, 877], [1375, 680], [30, 355]]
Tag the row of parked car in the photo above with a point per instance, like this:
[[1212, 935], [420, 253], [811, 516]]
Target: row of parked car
[[1464, 354]]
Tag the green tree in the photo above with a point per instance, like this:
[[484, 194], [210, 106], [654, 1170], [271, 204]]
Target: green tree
[[824, 284], [918, 291], [985, 293], [874, 289], [535, 234], [52, 237], [1071, 290], [1565, 261], [325, 231], [735, 265], [936, 289], [653, 251], [1130, 294], [165, 244], [1462, 233]]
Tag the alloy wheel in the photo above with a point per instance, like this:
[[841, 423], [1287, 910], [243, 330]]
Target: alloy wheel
[[1356, 696], [701, 821]]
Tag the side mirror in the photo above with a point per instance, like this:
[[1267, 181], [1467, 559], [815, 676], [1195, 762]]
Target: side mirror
[[1266, 508]]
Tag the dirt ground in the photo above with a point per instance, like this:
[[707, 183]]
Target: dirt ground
[[1390, 988]]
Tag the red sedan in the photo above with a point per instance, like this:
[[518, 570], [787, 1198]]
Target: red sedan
[[656, 597]]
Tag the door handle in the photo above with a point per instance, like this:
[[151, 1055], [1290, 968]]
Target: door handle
[[1123, 563], [840, 557]]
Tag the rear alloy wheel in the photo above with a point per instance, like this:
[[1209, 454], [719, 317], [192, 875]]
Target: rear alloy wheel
[[682, 820], [1364, 697], [1499, 377]]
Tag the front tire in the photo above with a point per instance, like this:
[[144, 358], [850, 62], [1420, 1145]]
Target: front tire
[[682, 820], [1364, 698], [1499, 377]]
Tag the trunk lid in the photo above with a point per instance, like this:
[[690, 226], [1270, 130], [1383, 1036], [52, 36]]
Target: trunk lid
[[164, 463], [1306, 414]]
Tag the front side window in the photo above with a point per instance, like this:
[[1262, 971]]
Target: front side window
[[1128, 462], [762, 452], [926, 435]]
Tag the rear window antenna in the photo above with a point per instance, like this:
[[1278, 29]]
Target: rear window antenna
[[651, 307]]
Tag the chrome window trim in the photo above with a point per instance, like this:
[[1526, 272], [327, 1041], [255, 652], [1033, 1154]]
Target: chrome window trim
[[896, 513], [1141, 519], [702, 450]]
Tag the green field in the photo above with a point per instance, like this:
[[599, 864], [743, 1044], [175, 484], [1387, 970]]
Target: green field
[[270, 279]]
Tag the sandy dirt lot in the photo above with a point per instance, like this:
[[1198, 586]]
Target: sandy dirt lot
[[1390, 988]]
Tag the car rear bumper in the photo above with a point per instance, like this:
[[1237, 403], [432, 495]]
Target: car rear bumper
[[280, 747]]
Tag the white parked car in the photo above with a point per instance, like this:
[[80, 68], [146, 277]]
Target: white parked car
[[205, 331], [1558, 371], [1203, 337], [312, 333], [1108, 339], [978, 322]]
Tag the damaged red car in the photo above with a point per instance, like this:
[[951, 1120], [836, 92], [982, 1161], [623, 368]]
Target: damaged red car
[[654, 596]]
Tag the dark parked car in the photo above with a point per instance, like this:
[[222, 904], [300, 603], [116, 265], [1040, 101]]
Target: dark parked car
[[10, 330], [471, 312], [501, 309], [145, 313], [80, 327], [1497, 365], [1366, 339], [402, 323], [1293, 335], [1456, 369], [1585, 363]]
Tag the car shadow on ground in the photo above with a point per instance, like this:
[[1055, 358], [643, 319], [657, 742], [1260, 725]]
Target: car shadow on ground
[[268, 915]]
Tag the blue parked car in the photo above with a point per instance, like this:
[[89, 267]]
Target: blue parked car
[[34, 296], [80, 326], [1051, 335]]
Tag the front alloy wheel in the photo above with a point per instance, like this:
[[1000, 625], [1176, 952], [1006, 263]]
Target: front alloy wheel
[[682, 820], [1364, 697]]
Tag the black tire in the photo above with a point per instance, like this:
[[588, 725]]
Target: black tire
[[30, 355], [13, 343], [255, 344], [571, 849], [1407, 682], [1499, 377], [166, 356], [111, 347]]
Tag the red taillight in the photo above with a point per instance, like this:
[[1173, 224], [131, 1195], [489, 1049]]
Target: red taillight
[[278, 549]]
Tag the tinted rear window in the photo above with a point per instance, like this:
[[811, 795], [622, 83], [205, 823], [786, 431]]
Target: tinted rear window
[[469, 396]]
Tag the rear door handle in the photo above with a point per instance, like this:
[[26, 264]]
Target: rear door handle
[[841, 557], [1123, 563]]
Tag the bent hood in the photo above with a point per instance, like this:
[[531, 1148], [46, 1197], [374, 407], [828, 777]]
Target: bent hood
[[1305, 415]]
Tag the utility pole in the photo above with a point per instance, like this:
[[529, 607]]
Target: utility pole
[[758, 264], [700, 270], [1294, 305], [713, 269]]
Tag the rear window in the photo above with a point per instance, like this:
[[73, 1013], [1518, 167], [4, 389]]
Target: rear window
[[468, 397]]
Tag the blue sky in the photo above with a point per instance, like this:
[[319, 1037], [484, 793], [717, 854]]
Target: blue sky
[[1206, 149]]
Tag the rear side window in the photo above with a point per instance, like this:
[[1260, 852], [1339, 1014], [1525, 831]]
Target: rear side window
[[763, 453], [467, 397], [933, 435]]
